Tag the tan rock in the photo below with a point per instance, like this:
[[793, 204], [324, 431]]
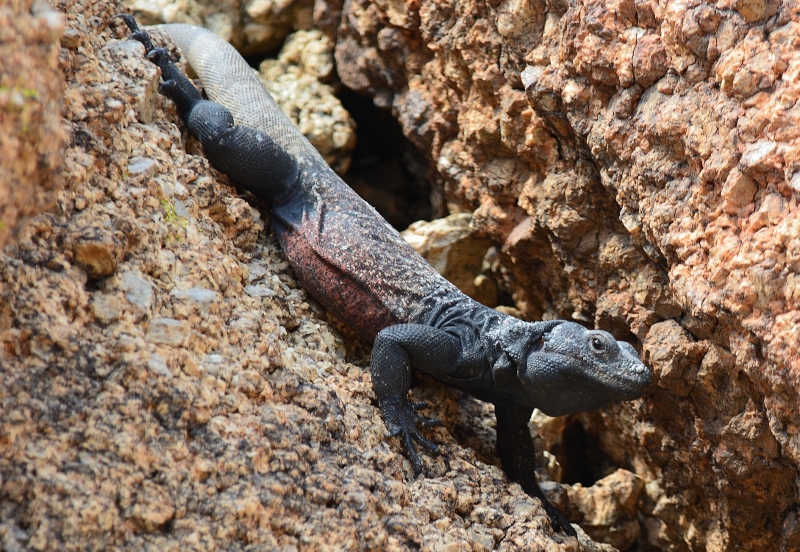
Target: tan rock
[[256, 27], [31, 131], [635, 163], [610, 507], [450, 245], [295, 79]]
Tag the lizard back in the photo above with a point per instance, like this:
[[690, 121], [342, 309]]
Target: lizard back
[[343, 251]]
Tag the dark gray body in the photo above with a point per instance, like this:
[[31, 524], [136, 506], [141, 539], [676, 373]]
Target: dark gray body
[[361, 269]]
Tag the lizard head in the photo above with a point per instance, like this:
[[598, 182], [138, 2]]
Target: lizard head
[[571, 369]]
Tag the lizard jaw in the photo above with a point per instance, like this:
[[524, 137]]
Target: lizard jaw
[[571, 369]]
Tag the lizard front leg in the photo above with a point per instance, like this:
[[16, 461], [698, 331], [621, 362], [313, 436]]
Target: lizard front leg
[[396, 349], [518, 457]]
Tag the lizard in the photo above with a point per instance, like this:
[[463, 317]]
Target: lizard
[[362, 270]]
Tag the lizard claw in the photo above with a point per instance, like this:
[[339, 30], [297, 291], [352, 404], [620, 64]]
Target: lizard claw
[[158, 56], [168, 88], [136, 33], [402, 420], [427, 422], [430, 422], [129, 21]]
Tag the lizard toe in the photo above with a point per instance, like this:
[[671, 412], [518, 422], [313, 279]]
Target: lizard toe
[[426, 443], [158, 56], [430, 422], [129, 21], [137, 34], [402, 421], [411, 453]]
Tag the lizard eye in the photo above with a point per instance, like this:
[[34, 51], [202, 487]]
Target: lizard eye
[[597, 344]]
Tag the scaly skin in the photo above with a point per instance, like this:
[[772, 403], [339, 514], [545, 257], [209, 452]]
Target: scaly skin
[[361, 269]]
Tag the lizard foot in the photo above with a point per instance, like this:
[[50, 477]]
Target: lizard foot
[[174, 84], [136, 33], [402, 420]]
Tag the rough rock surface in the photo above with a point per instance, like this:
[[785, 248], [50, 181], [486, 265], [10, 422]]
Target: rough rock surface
[[639, 164], [452, 248], [296, 79], [31, 133], [165, 384]]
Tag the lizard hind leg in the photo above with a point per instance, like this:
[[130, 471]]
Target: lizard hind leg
[[250, 157]]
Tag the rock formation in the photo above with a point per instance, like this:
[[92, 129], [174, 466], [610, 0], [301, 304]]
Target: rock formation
[[632, 165]]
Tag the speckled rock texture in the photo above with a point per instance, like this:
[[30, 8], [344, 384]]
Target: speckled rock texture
[[638, 163], [31, 131], [165, 384]]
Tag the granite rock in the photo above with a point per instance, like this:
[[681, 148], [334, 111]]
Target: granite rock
[[166, 384], [32, 133], [636, 164]]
